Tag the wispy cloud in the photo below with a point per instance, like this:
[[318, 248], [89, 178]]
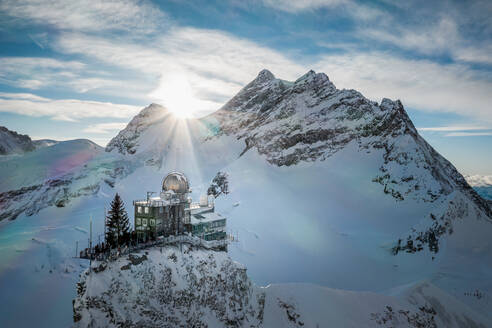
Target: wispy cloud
[[454, 128], [435, 39], [460, 130], [297, 6], [65, 110], [21, 96], [214, 64], [442, 30], [479, 180], [468, 134], [104, 127], [420, 84], [87, 15], [37, 72], [40, 39]]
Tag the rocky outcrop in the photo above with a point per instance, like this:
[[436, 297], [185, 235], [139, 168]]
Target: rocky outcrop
[[126, 142], [13, 143], [193, 287], [169, 288]]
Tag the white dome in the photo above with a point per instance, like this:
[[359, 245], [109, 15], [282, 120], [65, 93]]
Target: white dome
[[176, 182]]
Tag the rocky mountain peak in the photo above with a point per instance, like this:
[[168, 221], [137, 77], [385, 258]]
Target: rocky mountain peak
[[264, 75], [125, 141], [152, 111], [311, 77], [388, 104], [12, 142]]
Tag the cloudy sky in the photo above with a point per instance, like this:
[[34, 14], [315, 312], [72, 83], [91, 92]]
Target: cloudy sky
[[82, 69]]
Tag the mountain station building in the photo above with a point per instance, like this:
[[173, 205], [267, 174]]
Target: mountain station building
[[174, 213]]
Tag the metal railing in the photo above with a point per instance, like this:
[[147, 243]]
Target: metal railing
[[162, 241]]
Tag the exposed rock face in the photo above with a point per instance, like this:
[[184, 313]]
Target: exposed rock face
[[190, 287], [32, 199], [13, 143], [126, 142], [53, 176]]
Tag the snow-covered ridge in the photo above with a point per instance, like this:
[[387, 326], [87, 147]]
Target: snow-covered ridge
[[173, 287], [310, 120], [44, 143], [51, 176]]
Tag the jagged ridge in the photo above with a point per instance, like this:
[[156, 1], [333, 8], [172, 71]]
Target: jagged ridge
[[13, 143], [310, 120]]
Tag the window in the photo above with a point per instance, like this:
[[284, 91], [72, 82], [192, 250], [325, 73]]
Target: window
[[159, 222], [146, 210], [139, 209], [144, 222], [138, 221], [152, 222], [161, 209]]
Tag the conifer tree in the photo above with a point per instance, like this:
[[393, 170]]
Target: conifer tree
[[117, 223], [220, 185]]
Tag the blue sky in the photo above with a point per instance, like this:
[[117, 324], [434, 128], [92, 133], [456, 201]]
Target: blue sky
[[82, 69]]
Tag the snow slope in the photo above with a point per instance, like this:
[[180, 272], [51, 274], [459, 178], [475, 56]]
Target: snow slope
[[44, 143], [187, 287], [327, 187], [49, 176]]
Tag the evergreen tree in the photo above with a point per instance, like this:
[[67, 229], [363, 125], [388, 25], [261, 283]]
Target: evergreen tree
[[220, 185], [117, 223]]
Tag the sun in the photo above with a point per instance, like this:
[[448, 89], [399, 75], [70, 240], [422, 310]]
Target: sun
[[176, 94]]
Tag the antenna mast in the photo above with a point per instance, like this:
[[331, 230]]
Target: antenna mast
[[104, 226], [90, 245]]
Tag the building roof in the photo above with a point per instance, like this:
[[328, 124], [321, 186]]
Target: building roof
[[156, 202], [205, 217]]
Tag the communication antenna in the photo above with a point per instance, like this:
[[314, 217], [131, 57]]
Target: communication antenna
[[149, 193], [104, 225], [90, 244]]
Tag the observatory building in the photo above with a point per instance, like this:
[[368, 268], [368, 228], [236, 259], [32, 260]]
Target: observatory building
[[174, 213]]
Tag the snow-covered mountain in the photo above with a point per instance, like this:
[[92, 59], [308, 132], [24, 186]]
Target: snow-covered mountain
[[13, 143], [327, 187], [189, 287], [48, 176]]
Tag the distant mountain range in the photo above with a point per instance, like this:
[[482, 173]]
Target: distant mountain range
[[482, 184], [327, 187], [12, 142]]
